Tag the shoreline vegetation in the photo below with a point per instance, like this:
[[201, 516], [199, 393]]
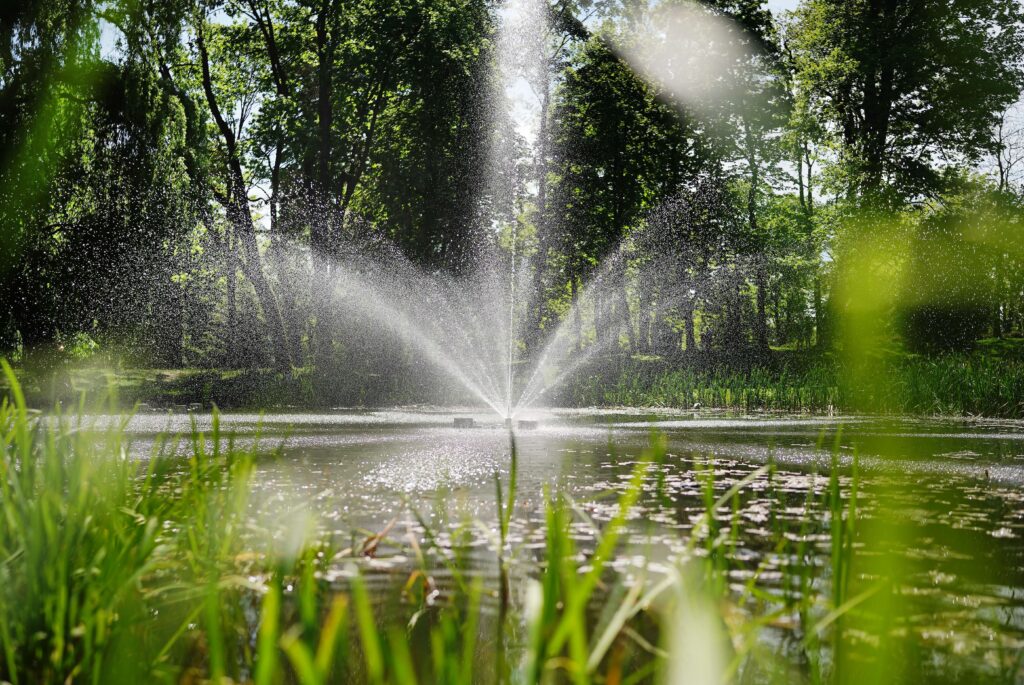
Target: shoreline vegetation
[[978, 383], [124, 570], [987, 381]]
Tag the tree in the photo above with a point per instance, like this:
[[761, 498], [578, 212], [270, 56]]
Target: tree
[[424, 178], [720, 63], [1009, 178], [757, 109], [805, 139], [44, 58], [907, 87], [546, 60], [947, 299], [683, 240], [97, 202], [618, 151], [235, 199]]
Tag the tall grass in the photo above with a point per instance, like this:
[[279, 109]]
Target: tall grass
[[955, 384], [106, 560], [119, 570]]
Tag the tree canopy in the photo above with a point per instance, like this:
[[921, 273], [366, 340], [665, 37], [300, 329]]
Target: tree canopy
[[175, 177]]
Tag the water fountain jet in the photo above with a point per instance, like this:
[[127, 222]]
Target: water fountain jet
[[469, 326]]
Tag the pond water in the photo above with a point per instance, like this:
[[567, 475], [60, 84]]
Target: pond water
[[939, 506]]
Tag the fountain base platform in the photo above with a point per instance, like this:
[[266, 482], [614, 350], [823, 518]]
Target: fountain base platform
[[522, 424]]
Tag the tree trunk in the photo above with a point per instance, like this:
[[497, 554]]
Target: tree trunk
[[241, 219], [734, 338], [878, 97], [231, 266], [321, 238], [760, 275], [997, 298], [543, 241], [626, 318], [820, 334], [275, 191], [651, 297], [761, 278]]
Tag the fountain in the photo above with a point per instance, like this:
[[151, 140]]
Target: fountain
[[471, 326]]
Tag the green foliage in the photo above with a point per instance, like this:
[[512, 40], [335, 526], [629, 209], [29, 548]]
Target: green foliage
[[901, 85], [614, 143], [981, 383], [180, 216], [948, 301]]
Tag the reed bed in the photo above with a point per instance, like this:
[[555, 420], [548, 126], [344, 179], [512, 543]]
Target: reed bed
[[954, 385]]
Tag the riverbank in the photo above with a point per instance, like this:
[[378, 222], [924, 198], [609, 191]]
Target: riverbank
[[987, 381]]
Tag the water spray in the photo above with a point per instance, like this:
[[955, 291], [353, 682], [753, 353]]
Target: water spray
[[511, 318]]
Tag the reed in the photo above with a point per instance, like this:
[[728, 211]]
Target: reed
[[955, 384]]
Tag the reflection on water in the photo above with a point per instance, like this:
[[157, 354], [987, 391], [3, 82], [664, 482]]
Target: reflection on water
[[942, 498]]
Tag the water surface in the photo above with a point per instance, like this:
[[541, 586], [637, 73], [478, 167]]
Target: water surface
[[940, 499]]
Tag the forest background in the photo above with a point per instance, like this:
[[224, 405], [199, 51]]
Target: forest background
[[174, 175]]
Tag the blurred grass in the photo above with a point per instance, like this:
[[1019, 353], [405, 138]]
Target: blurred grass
[[93, 541]]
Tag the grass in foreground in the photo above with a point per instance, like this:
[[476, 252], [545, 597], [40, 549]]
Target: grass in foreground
[[114, 570]]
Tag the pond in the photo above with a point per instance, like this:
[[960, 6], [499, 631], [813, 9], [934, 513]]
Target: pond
[[936, 505]]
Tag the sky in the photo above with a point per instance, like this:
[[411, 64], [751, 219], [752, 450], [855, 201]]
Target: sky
[[777, 6]]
